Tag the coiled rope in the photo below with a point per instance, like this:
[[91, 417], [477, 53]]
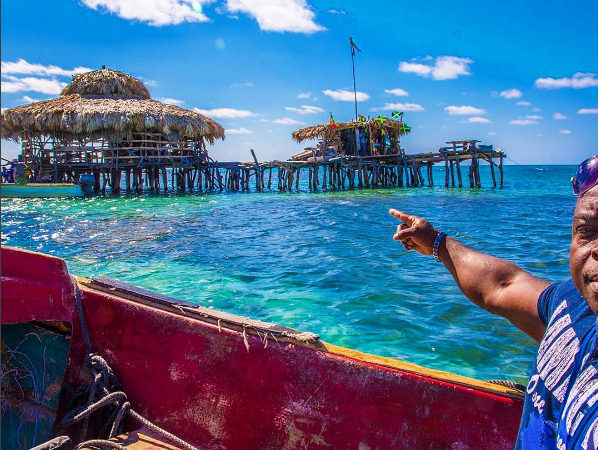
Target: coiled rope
[[105, 390]]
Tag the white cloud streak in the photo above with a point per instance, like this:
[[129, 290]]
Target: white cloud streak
[[559, 116], [22, 67], [464, 110], [304, 95], [579, 80], [171, 101], [247, 84], [587, 111], [153, 12], [287, 121], [32, 84], [413, 107], [225, 113], [477, 119], [523, 122], [442, 68], [240, 130], [511, 93], [28, 99], [345, 96], [565, 131], [305, 109], [397, 92], [533, 117], [523, 103], [293, 16]]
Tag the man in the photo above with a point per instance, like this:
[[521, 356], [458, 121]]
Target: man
[[561, 403]]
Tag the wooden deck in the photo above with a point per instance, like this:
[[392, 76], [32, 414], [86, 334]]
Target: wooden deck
[[184, 172]]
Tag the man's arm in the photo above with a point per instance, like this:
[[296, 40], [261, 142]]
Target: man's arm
[[491, 283]]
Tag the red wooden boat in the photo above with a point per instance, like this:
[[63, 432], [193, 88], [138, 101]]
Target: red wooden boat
[[212, 379]]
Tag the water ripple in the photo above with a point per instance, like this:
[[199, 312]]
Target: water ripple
[[322, 262]]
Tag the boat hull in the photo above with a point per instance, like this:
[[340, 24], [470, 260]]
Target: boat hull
[[41, 190], [222, 381]]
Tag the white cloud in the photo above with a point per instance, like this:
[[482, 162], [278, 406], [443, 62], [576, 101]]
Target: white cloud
[[579, 80], [559, 116], [341, 12], [287, 121], [294, 16], [464, 110], [587, 111], [171, 101], [248, 84], [565, 131], [148, 82], [523, 103], [304, 95], [240, 130], [397, 92], [225, 113], [3, 109], [22, 67], [443, 68], [492, 133], [533, 117], [28, 99], [154, 12], [414, 107], [305, 109], [346, 96], [523, 122], [476, 120], [511, 93], [32, 84]]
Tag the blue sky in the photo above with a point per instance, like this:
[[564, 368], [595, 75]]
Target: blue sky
[[520, 75]]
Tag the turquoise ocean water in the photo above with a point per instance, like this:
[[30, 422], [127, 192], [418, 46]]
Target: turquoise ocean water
[[323, 262]]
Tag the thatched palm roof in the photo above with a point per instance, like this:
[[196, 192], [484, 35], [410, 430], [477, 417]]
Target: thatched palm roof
[[106, 104], [318, 131]]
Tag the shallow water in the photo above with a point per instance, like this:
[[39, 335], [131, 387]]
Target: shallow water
[[323, 262]]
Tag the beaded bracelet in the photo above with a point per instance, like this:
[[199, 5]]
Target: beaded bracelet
[[437, 242]]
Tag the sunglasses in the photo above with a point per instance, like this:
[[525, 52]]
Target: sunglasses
[[586, 176]]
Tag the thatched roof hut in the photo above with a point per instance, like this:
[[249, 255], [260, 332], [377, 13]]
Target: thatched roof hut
[[373, 137], [330, 132], [106, 104]]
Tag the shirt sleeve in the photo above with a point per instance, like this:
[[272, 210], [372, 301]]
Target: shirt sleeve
[[544, 302]]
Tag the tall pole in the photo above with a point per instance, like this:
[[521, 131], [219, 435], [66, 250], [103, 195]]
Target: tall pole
[[353, 47]]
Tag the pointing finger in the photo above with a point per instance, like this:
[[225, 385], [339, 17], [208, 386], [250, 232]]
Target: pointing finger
[[403, 217]]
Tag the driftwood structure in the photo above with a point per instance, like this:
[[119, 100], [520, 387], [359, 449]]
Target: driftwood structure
[[106, 124]]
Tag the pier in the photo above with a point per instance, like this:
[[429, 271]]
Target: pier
[[149, 169]]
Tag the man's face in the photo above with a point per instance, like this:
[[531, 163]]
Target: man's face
[[584, 247]]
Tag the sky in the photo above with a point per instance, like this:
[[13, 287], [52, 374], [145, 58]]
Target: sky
[[522, 76]]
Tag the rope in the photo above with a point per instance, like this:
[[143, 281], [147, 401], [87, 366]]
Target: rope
[[99, 444], [106, 386], [509, 384]]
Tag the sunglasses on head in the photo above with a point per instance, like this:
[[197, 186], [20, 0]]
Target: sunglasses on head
[[586, 176]]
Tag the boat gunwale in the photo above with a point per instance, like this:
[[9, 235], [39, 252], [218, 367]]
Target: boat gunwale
[[279, 333]]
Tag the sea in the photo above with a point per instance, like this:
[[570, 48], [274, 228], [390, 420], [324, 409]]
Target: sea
[[323, 262]]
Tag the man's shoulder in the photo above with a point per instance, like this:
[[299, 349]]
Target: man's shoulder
[[558, 297]]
